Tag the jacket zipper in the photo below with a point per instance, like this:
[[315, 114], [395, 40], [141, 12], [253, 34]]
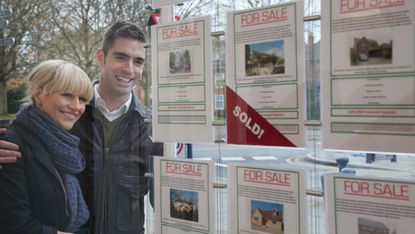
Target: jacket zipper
[[105, 187], [105, 191]]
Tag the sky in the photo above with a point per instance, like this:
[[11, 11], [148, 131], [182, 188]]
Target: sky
[[271, 47], [266, 205]]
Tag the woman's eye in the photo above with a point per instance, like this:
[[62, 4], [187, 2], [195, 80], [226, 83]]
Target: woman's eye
[[67, 95], [82, 100]]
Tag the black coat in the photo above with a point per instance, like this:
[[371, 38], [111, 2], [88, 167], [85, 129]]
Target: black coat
[[113, 182], [32, 198]]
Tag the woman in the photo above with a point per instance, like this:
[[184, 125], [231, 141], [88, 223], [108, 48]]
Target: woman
[[40, 193]]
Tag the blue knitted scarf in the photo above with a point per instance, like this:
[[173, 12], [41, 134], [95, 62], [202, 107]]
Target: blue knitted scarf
[[66, 157]]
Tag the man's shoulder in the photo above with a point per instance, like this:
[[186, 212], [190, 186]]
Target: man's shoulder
[[138, 106], [83, 123]]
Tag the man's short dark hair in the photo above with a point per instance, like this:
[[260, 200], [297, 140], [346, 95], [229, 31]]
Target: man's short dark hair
[[124, 30]]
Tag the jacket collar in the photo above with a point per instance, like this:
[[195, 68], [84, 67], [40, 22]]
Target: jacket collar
[[136, 104]]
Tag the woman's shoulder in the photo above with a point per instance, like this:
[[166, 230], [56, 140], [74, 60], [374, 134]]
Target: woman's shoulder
[[15, 134], [27, 144], [10, 135]]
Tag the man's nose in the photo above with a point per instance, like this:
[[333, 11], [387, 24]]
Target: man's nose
[[129, 66]]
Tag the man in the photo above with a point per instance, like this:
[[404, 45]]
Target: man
[[115, 137]]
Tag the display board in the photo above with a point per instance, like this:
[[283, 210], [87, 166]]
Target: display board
[[265, 83], [184, 200], [368, 75], [358, 205], [266, 200], [161, 3], [182, 81]]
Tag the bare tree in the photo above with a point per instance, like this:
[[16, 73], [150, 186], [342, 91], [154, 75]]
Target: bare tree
[[78, 26], [194, 8], [128, 10], [75, 32], [25, 27]]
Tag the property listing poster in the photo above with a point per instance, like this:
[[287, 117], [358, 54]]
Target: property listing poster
[[184, 200], [358, 205], [266, 200], [265, 76], [368, 75], [182, 81]]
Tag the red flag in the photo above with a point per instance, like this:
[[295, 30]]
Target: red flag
[[246, 126]]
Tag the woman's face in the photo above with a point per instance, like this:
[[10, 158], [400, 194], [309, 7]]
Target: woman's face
[[64, 108]]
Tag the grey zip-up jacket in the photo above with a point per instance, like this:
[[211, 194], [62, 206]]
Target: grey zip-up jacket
[[113, 183]]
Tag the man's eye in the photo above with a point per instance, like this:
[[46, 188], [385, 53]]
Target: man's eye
[[139, 62]]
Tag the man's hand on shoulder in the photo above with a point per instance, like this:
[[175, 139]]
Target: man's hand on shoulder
[[9, 152]]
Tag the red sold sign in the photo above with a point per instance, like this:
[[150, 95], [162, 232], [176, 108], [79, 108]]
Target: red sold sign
[[246, 126]]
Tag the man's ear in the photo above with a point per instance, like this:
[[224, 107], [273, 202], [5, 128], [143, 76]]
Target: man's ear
[[101, 57]]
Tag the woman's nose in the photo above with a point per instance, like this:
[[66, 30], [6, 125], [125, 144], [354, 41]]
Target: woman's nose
[[75, 103]]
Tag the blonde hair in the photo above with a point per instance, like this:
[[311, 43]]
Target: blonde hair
[[53, 76]]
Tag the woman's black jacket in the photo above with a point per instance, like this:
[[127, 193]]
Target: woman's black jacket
[[32, 198]]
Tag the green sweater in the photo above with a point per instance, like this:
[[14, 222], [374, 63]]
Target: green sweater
[[108, 126]]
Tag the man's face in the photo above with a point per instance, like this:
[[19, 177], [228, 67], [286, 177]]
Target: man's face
[[121, 67]]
